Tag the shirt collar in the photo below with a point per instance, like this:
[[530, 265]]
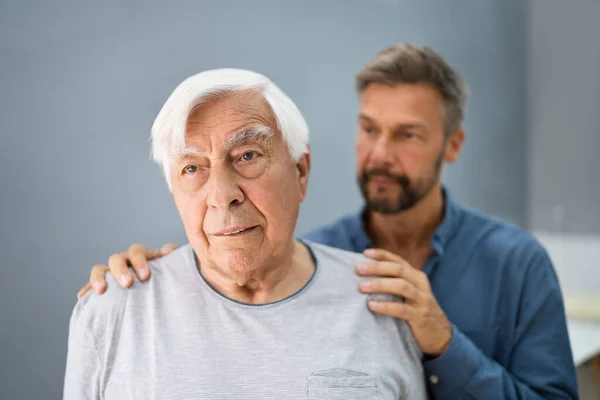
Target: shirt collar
[[442, 234], [449, 223], [360, 238]]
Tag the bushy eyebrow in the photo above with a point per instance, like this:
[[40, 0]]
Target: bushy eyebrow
[[250, 133]]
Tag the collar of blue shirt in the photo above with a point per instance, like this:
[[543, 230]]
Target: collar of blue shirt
[[452, 212]]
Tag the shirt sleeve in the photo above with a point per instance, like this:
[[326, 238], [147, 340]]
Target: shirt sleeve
[[541, 365], [83, 370]]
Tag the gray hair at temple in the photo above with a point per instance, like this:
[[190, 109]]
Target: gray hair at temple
[[406, 63], [169, 128]]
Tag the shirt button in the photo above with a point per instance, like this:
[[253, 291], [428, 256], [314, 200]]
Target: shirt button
[[434, 379]]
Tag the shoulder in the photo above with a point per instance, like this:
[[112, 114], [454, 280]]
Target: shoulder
[[95, 311], [338, 233], [333, 254], [497, 242], [498, 236], [336, 264]]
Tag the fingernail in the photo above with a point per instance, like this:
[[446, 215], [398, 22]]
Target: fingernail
[[362, 267], [98, 286], [125, 279], [143, 273], [369, 252], [365, 285]]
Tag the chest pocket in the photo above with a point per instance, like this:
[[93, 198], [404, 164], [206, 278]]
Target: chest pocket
[[342, 384]]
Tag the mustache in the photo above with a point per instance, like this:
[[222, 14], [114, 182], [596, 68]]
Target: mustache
[[402, 180]]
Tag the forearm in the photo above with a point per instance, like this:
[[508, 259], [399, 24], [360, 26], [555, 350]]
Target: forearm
[[463, 371]]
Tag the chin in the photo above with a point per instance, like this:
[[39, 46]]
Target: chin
[[238, 262], [383, 201]]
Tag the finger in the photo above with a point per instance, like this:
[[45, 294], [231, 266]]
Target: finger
[[395, 270], [397, 286], [98, 278], [84, 290], [120, 270], [167, 248], [139, 255], [139, 263], [381, 268], [139, 250], [382, 255], [393, 309]]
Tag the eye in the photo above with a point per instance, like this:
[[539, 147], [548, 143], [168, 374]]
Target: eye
[[368, 130], [249, 156], [190, 169]]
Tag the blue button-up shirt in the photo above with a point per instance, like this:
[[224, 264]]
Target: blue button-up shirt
[[498, 288]]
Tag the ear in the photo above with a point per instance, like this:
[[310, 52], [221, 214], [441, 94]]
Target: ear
[[454, 144], [303, 170]]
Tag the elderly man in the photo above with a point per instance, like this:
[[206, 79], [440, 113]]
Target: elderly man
[[243, 311], [481, 296]]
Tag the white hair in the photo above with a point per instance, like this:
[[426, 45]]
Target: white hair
[[169, 128]]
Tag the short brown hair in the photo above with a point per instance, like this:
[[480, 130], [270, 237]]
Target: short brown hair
[[406, 63]]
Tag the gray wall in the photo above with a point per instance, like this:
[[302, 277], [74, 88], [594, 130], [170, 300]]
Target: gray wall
[[563, 102], [81, 81], [564, 116]]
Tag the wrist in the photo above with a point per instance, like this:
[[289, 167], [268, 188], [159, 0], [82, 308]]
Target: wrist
[[442, 347]]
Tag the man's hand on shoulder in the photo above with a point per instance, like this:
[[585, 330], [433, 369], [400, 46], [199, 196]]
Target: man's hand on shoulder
[[136, 257], [420, 309]]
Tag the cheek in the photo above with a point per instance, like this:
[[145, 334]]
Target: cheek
[[410, 162], [192, 211], [416, 162], [410, 157], [278, 201], [276, 198], [426, 158]]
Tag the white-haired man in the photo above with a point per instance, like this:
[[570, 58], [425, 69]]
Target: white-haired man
[[243, 311]]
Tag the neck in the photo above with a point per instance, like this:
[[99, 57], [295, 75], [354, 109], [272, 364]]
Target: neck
[[281, 278], [410, 230]]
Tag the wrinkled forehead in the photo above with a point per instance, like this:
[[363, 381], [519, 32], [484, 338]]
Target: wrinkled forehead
[[223, 116]]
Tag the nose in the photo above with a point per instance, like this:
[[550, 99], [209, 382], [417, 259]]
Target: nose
[[383, 151], [223, 190]]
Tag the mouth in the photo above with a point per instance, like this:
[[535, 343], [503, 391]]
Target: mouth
[[235, 231], [381, 181]]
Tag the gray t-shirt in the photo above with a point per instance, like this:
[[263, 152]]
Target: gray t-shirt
[[175, 337]]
